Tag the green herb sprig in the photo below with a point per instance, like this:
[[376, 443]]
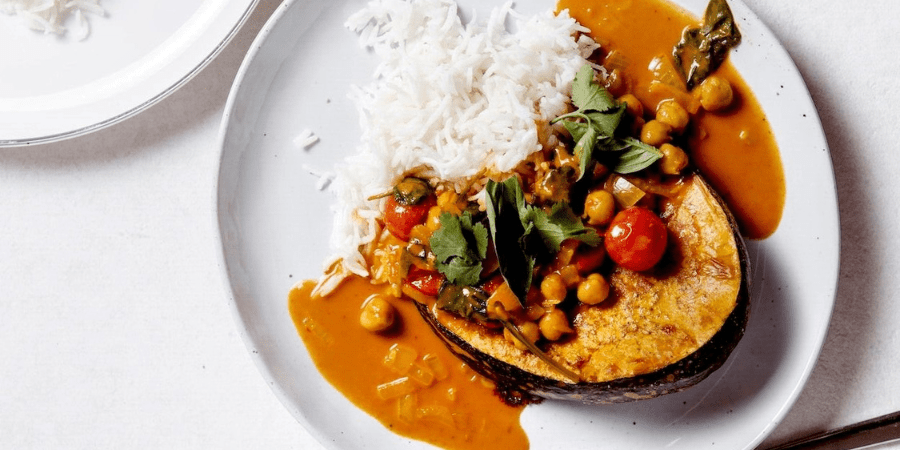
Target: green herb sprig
[[701, 50], [522, 234], [459, 247], [594, 127]]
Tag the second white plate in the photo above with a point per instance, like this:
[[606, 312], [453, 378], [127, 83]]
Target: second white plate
[[54, 87]]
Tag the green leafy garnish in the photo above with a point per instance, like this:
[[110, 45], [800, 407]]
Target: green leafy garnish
[[504, 201], [587, 94], [635, 157], [593, 127], [467, 302], [459, 247], [524, 233], [702, 50], [411, 191], [559, 224]]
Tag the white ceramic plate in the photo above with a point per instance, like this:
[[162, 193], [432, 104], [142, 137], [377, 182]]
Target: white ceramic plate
[[274, 227], [53, 87]]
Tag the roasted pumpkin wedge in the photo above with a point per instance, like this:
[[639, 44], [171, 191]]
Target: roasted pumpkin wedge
[[661, 331]]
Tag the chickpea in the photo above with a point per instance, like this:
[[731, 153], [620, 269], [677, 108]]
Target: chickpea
[[554, 324], [632, 105], [673, 114], [529, 329], [569, 275], [377, 314], [715, 93], [673, 161], [599, 207], [593, 290], [655, 133], [553, 287], [534, 312]]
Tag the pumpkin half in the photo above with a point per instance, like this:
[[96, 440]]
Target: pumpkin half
[[661, 331]]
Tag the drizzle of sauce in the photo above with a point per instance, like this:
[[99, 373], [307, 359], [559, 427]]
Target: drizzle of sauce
[[456, 410], [734, 150], [453, 407]]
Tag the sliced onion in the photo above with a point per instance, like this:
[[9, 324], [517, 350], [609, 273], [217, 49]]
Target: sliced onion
[[626, 193]]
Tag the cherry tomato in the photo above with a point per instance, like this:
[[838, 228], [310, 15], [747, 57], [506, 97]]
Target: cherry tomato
[[636, 239], [425, 281], [400, 218]]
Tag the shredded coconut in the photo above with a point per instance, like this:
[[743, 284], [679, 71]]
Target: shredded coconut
[[49, 16], [448, 100]]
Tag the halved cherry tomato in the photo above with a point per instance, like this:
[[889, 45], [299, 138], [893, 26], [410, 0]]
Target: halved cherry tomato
[[401, 218], [425, 281], [636, 239]]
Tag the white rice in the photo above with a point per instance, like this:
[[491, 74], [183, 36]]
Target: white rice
[[50, 16], [448, 100], [305, 139]]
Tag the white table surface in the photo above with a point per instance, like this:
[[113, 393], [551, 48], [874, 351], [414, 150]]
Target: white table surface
[[114, 325]]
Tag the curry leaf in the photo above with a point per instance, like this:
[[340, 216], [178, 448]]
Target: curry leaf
[[503, 203], [522, 233], [701, 50], [465, 301]]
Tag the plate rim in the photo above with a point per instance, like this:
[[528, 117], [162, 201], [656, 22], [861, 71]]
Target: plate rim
[[833, 247]]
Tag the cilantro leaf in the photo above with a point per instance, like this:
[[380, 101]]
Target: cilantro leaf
[[576, 129], [461, 271], [593, 129], [584, 149], [459, 247], [559, 224], [587, 94], [608, 121]]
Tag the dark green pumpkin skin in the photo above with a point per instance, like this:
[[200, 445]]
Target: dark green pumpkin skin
[[518, 386]]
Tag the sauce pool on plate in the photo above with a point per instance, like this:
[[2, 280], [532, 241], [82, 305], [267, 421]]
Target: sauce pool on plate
[[405, 377]]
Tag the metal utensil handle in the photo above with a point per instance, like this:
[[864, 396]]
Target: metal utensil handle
[[873, 431]]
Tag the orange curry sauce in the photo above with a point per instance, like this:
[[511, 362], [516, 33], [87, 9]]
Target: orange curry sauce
[[735, 150], [408, 380], [437, 399]]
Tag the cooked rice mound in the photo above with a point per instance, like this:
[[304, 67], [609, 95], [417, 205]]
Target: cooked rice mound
[[50, 16], [449, 100]]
